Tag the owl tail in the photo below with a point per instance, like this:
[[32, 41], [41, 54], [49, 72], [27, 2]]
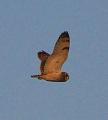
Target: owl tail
[[36, 76]]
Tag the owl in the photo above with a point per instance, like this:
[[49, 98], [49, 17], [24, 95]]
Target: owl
[[51, 64]]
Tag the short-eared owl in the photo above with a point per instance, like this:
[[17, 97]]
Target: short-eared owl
[[51, 64]]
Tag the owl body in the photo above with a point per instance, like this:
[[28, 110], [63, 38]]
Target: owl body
[[51, 64]]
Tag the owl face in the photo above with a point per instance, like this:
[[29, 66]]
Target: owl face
[[65, 76]]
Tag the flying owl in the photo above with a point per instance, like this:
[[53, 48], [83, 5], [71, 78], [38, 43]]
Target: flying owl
[[51, 64]]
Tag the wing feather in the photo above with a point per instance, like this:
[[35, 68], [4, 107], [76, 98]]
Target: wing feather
[[42, 55], [59, 55]]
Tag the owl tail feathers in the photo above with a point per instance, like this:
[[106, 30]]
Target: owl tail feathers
[[36, 76]]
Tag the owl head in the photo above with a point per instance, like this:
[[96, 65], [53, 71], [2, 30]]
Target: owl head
[[64, 76]]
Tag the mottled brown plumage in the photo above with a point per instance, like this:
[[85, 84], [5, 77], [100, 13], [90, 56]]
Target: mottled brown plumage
[[43, 57], [51, 64]]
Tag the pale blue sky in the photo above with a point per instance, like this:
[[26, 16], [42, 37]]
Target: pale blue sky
[[27, 26]]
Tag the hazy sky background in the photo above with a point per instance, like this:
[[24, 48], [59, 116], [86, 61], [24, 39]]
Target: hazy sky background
[[27, 26]]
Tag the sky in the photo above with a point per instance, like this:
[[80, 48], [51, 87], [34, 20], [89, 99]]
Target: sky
[[28, 26]]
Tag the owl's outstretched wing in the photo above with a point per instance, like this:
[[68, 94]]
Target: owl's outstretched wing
[[42, 55], [60, 53]]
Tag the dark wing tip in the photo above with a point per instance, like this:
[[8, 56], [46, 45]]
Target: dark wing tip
[[64, 34]]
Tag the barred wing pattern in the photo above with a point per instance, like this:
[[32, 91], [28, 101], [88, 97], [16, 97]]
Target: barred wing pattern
[[60, 53]]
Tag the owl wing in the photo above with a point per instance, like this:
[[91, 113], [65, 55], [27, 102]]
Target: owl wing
[[42, 55], [59, 55]]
